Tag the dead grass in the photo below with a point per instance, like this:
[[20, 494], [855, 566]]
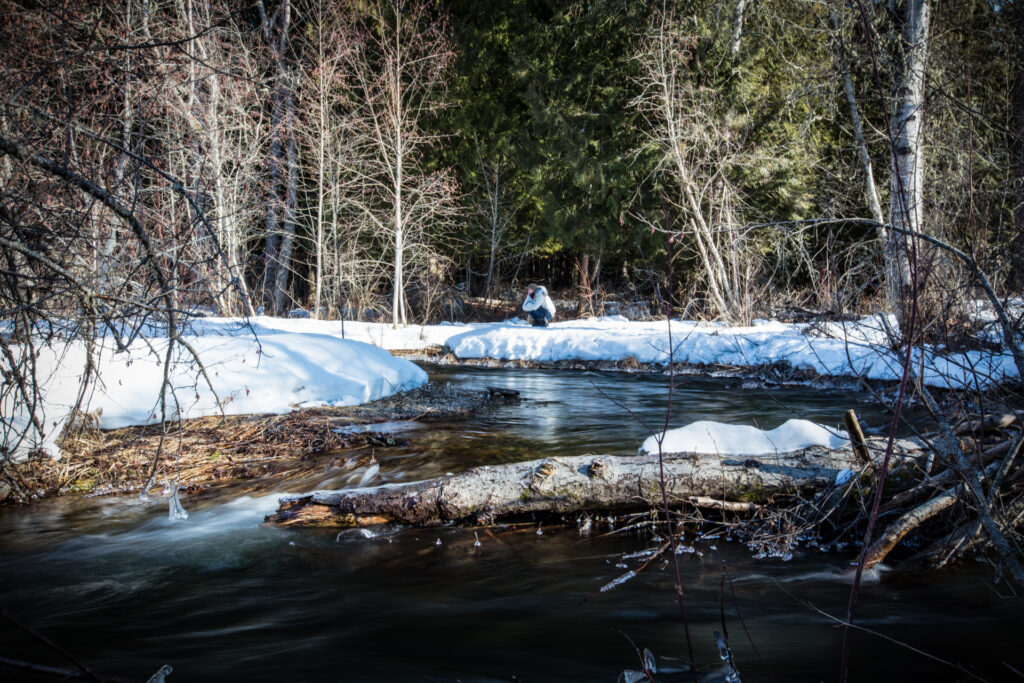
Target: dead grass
[[203, 450]]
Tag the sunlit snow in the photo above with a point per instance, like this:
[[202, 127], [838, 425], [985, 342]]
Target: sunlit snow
[[299, 362], [716, 438]]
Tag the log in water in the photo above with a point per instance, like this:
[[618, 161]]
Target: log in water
[[575, 484]]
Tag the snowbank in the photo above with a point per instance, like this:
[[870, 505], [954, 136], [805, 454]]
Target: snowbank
[[278, 374], [848, 349], [316, 362], [715, 438]]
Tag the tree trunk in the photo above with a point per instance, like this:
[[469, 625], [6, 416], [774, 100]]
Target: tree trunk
[[906, 206], [1015, 12], [871, 192], [577, 484], [284, 256], [278, 243], [737, 29]]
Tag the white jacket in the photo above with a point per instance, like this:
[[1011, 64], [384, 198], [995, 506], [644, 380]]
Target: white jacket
[[539, 299]]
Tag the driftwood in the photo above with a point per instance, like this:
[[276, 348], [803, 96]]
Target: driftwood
[[857, 440], [909, 522], [583, 483]]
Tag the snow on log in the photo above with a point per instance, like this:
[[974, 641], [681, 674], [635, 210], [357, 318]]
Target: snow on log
[[581, 483]]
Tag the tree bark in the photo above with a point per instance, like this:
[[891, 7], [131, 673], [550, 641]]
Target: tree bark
[[910, 521], [279, 240], [871, 193], [577, 484], [906, 205]]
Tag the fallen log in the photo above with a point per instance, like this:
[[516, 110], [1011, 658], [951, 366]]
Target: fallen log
[[582, 483], [910, 521], [992, 423]]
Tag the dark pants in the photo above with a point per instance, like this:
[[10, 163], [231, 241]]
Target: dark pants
[[539, 317]]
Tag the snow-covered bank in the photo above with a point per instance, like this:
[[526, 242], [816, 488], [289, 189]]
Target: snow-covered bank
[[277, 374], [303, 362], [854, 349]]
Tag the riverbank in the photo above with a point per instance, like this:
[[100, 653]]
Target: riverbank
[[769, 374], [260, 369], [200, 452], [845, 350]]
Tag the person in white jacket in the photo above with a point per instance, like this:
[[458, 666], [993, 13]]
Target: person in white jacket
[[539, 305]]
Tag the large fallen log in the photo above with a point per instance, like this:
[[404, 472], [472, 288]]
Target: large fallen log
[[582, 483]]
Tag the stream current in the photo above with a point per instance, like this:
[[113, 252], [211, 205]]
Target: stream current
[[220, 597]]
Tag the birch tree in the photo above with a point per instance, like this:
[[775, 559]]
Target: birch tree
[[398, 69], [906, 206]]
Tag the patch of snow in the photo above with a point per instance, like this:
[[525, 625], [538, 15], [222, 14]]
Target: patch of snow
[[278, 374], [716, 438]]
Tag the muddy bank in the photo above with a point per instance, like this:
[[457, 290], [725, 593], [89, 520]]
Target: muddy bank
[[199, 452]]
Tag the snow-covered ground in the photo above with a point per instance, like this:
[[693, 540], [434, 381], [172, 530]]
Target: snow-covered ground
[[277, 374], [836, 349], [303, 362]]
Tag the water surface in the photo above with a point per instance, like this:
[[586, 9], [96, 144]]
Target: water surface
[[221, 597]]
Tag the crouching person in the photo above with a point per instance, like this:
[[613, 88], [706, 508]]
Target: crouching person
[[539, 305]]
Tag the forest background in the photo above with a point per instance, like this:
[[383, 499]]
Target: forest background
[[393, 159]]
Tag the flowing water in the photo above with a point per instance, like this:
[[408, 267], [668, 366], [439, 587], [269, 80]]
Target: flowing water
[[220, 597]]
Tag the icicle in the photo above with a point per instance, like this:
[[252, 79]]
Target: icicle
[[649, 661], [585, 526], [161, 675], [616, 582], [176, 511], [476, 543]]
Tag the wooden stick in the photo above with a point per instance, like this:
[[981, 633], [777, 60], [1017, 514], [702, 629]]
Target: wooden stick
[[728, 505], [908, 522], [860, 447]]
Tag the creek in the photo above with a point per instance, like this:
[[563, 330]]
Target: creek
[[220, 596]]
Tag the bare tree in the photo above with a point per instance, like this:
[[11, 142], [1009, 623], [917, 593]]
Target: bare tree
[[398, 69], [699, 152], [499, 203], [214, 105], [283, 199], [843, 62], [95, 225]]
